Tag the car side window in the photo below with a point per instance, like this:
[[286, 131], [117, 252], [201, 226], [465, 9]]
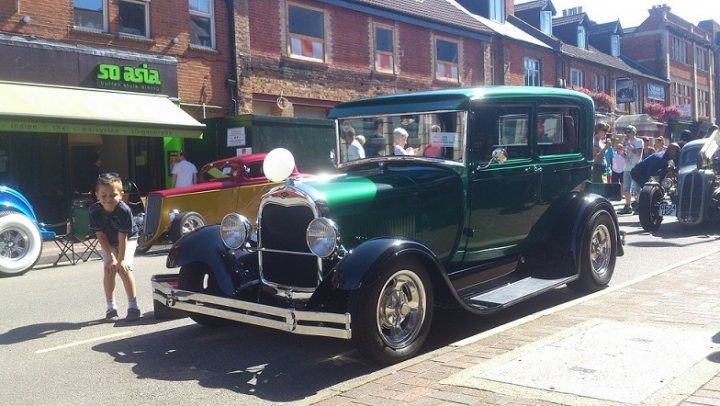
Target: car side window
[[501, 127], [557, 130]]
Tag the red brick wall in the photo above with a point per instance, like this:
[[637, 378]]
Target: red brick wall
[[53, 20], [349, 72], [515, 53]]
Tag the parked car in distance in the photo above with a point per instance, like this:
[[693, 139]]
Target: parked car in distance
[[21, 234], [692, 195], [485, 214], [226, 185]]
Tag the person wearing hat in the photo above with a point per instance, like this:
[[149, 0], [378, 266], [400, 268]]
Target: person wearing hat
[[633, 151], [656, 164]]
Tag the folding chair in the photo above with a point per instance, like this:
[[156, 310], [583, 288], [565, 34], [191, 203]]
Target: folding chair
[[78, 233]]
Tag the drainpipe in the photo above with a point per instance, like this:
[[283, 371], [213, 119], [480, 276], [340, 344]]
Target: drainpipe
[[232, 80]]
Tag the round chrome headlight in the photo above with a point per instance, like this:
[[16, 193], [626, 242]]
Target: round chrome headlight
[[322, 237], [667, 183], [235, 230]]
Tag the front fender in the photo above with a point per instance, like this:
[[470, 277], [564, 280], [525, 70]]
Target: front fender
[[364, 264], [204, 245]]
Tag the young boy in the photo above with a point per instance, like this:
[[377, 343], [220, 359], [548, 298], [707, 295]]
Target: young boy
[[117, 234]]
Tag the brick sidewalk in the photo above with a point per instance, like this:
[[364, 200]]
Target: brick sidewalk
[[654, 340]]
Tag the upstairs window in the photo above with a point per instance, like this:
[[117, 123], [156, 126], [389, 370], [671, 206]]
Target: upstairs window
[[202, 23], [701, 59], [678, 50], [577, 78], [581, 39], [384, 50], [447, 64], [134, 17], [306, 30], [497, 10], [90, 14], [546, 22], [532, 72], [703, 103], [599, 83], [615, 45]]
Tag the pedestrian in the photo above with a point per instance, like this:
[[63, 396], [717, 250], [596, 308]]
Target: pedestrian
[[355, 150], [633, 149], [618, 165], [184, 173], [600, 147], [117, 234]]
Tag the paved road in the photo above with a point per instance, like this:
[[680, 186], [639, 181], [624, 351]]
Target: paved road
[[55, 349]]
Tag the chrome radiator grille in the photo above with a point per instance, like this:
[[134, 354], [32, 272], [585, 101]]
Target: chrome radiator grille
[[282, 228], [691, 198], [152, 216]]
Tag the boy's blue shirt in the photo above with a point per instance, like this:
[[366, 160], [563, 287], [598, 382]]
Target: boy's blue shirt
[[119, 221]]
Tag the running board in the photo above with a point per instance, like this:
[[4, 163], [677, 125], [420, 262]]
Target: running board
[[512, 293]]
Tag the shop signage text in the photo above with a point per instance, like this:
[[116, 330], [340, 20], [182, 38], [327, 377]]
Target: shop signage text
[[130, 78]]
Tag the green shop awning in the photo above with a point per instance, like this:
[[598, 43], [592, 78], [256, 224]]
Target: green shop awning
[[28, 107]]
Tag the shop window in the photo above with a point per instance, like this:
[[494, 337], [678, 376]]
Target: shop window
[[134, 17], [306, 32], [447, 60], [90, 15], [202, 23], [532, 72], [384, 49]]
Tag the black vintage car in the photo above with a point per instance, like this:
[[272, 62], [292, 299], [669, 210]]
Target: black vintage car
[[691, 193], [479, 212]]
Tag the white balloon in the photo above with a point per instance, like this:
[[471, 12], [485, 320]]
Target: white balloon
[[278, 164]]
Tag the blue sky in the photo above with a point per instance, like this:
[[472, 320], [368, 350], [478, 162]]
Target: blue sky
[[633, 12]]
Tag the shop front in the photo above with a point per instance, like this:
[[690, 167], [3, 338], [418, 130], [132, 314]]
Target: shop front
[[68, 113]]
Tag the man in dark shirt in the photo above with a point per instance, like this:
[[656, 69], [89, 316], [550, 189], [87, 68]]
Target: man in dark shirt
[[655, 164]]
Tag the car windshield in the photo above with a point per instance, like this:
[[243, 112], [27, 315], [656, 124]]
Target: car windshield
[[689, 155], [213, 173], [436, 135]]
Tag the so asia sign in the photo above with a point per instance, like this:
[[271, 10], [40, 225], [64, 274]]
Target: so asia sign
[[129, 78]]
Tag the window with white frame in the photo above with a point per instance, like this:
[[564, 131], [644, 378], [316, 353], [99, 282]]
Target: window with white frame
[[447, 60], [680, 94], [615, 45], [134, 17], [577, 78], [546, 22], [701, 59], [90, 14], [497, 10], [384, 49], [532, 72], [703, 103], [581, 38], [306, 32], [599, 83], [678, 50], [202, 23]]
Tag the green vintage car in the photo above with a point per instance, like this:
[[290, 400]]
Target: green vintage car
[[459, 200]]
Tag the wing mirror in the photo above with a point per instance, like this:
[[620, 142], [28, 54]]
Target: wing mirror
[[499, 156]]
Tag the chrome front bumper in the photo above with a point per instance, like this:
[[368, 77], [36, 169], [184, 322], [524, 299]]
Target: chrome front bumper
[[302, 322]]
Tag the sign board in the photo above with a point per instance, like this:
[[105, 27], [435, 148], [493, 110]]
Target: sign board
[[243, 151], [129, 78], [624, 90], [686, 110], [236, 137], [655, 92]]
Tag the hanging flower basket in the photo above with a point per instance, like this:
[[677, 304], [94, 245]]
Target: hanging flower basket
[[602, 100]]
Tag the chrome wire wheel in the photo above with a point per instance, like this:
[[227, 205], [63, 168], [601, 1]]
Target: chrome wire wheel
[[401, 309], [600, 250]]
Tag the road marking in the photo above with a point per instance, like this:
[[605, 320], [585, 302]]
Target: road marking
[[60, 347]]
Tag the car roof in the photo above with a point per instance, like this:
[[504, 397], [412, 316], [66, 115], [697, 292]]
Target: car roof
[[449, 99], [239, 160]]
